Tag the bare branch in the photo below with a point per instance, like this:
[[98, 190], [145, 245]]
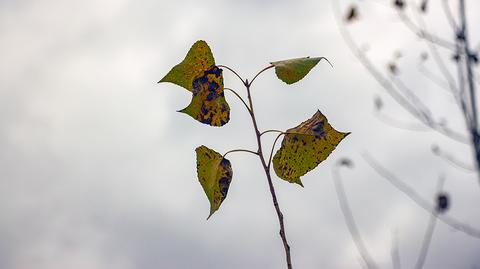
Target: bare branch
[[404, 101], [415, 197], [421, 32], [396, 253], [452, 160], [427, 238], [350, 220]]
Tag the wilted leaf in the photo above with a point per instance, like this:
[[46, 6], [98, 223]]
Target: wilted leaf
[[304, 147], [208, 103], [352, 14], [199, 58], [293, 70], [215, 174]]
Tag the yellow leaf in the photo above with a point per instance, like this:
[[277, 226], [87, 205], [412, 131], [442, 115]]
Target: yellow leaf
[[215, 174], [199, 58], [304, 147]]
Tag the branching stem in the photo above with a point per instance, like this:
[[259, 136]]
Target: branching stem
[[266, 168]]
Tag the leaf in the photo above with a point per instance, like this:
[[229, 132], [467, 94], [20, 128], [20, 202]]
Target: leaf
[[199, 58], [215, 174], [208, 103], [304, 147], [293, 70]]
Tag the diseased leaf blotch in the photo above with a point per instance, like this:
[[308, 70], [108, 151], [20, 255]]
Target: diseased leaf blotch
[[293, 70], [215, 175], [199, 58], [208, 103], [304, 147]]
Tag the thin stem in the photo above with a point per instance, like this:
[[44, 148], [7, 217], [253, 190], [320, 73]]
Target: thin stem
[[415, 197], [468, 62], [439, 82], [259, 72], [453, 161], [427, 238], [239, 97], [350, 220], [273, 148], [462, 38], [396, 123], [233, 71], [269, 179], [270, 131], [396, 253], [448, 13], [422, 32], [240, 150]]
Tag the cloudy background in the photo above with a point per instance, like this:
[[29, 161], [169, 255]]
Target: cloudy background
[[97, 170]]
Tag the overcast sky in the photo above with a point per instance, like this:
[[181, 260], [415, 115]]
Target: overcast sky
[[97, 170]]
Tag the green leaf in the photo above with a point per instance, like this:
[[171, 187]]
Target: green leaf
[[208, 103], [293, 70], [215, 174], [304, 147], [199, 58]]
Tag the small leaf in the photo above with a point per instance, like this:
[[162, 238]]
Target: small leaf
[[215, 174], [199, 58], [293, 70], [208, 103], [304, 147]]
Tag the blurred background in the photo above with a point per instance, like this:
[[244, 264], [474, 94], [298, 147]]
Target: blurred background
[[97, 170]]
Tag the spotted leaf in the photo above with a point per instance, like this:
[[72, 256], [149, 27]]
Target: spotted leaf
[[199, 58], [304, 147], [215, 174], [208, 103], [293, 70]]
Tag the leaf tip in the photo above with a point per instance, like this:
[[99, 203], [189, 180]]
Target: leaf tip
[[211, 213]]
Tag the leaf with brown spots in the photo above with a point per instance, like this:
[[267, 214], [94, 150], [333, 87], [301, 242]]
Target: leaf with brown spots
[[208, 103], [304, 147], [293, 70], [215, 174], [199, 58]]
